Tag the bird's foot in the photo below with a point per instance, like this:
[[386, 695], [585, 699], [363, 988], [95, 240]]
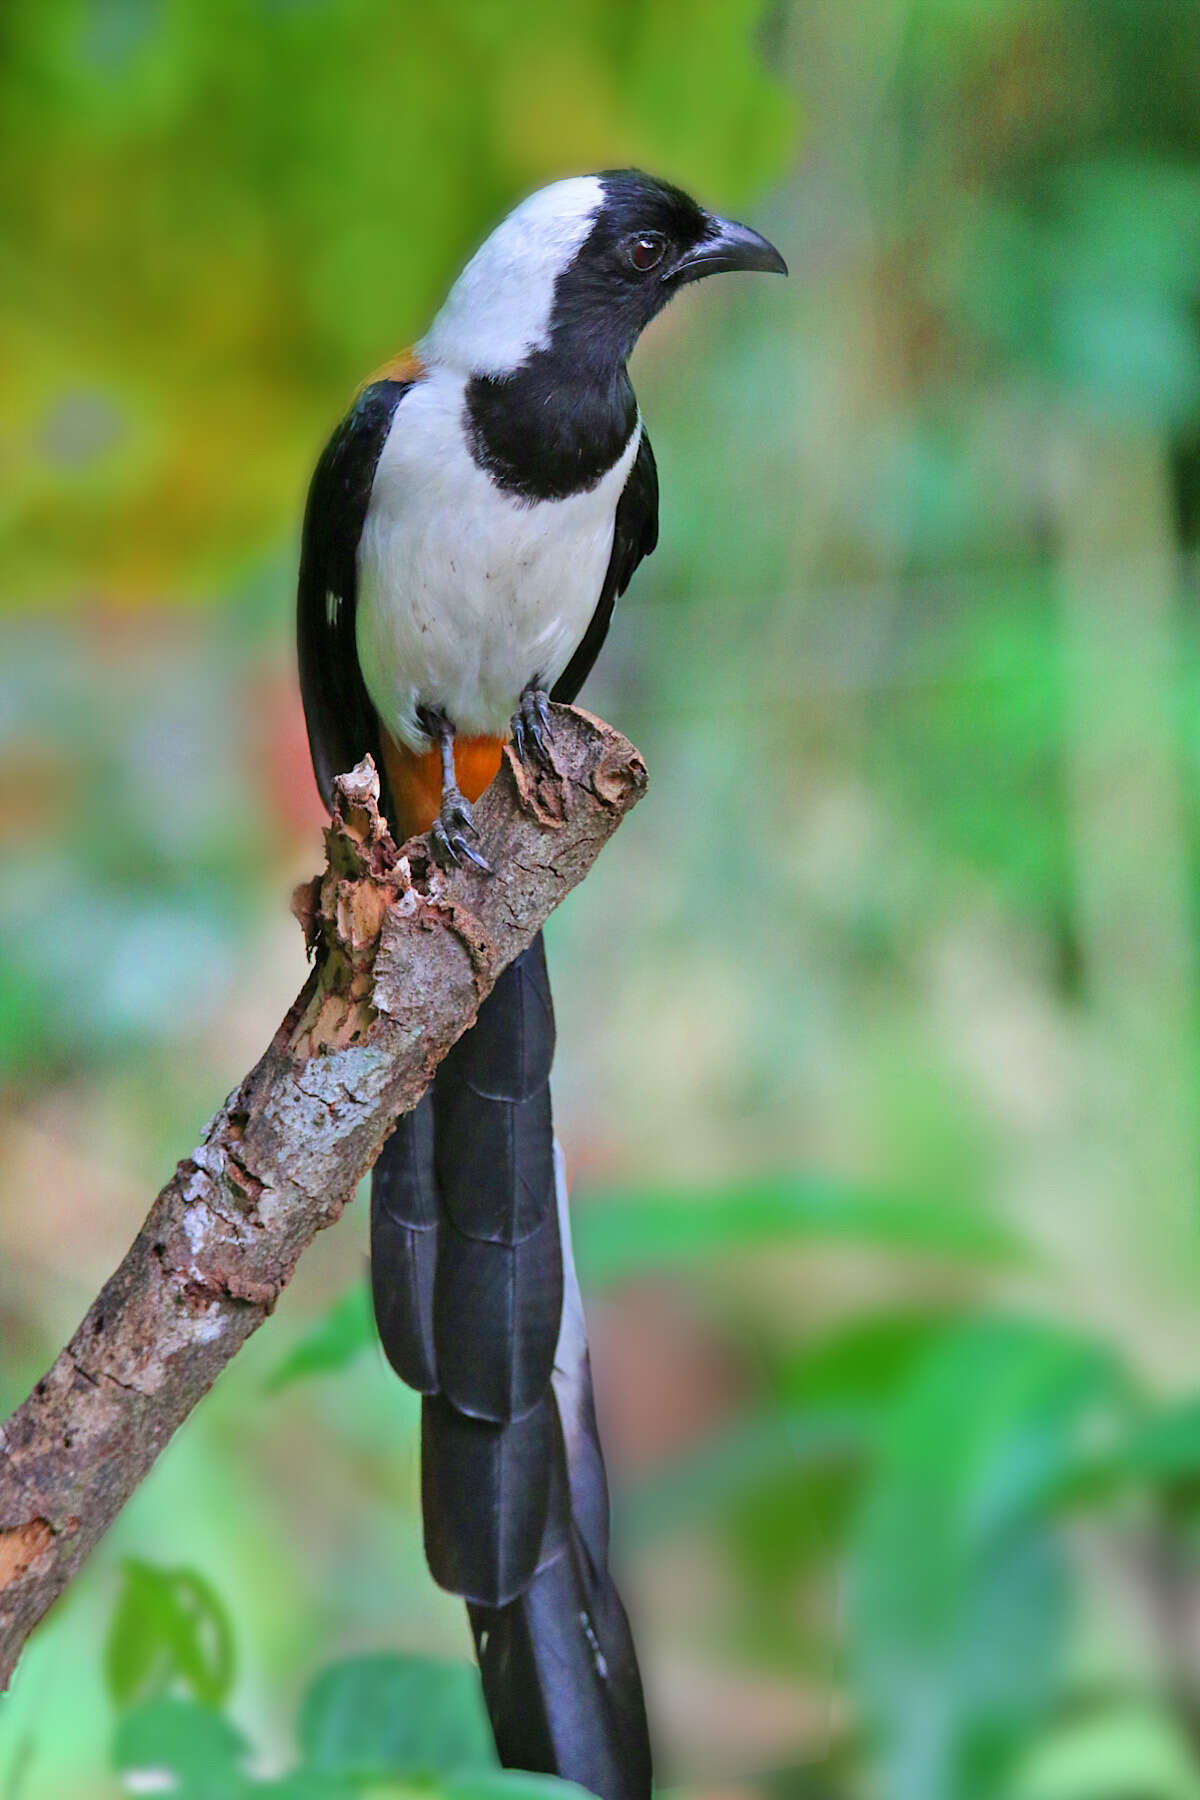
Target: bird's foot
[[530, 723], [450, 843]]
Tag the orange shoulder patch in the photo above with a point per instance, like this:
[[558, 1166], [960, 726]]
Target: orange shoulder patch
[[406, 365]]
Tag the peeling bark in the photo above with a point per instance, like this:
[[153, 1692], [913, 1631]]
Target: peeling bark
[[404, 954]]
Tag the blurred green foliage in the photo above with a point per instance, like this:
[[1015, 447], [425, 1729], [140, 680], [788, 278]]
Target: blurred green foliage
[[332, 1342], [236, 208], [881, 1061], [626, 1232], [374, 1726], [168, 1627]]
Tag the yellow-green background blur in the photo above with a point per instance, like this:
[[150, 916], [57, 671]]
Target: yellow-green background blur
[[879, 1066]]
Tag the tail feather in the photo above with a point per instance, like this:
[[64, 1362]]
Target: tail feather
[[404, 1239], [560, 1673], [513, 1485], [486, 1497], [490, 1295], [586, 1474], [499, 1282], [495, 1159], [497, 1179], [561, 1682]]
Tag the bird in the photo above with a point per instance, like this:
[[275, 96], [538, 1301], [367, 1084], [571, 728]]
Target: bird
[[469, 528]]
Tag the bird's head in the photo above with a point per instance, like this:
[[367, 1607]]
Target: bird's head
[[580, 268]]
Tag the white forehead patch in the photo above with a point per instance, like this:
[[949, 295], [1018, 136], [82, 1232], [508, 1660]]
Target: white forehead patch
[[499, 308]]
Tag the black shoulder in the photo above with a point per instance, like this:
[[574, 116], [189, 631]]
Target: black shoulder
[[342, 726], [635, 533]]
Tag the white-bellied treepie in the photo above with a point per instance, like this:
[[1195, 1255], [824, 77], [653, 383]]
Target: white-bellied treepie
[[469, 528]]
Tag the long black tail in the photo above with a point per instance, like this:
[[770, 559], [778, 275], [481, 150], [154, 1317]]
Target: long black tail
[[478, 1308]]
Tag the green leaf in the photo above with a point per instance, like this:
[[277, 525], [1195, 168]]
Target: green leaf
[[194, 1745], [1160, 1450], [748, 1456], [783, 1485], [621, 1231], [791, 1514], [1132, 1749], [169, 1630], [306, 1784], [959, 1586], [862, 1363], [1167, 1446], [333, 1342], [371, 1717], [510, 1784]]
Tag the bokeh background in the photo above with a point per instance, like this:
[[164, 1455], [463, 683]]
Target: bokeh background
[[879, 1069]]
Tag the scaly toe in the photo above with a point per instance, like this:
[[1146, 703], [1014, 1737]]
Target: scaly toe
[[444, 853], [456, 813], [449, 830], [530, 723]]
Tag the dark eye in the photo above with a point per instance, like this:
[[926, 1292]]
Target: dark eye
[[646, 250]]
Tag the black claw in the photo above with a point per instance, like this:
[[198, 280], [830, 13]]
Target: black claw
[[457, 816], [456, 810], [473, 855], [530, 723], [449, 842]]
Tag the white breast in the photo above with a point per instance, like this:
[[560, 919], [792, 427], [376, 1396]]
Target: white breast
[[467, 594]]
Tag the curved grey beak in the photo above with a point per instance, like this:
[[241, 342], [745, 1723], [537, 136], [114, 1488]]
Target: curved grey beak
[[728, 245]]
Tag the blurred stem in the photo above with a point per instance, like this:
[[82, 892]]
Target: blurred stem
[[1175, 1593], [1121, 626]]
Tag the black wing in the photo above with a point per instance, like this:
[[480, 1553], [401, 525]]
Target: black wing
[[635, 533], [342, 723]]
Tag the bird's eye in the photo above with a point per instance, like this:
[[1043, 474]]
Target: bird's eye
[[647, 250]]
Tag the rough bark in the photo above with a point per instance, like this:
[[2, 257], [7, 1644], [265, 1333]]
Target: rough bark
[[404, 954]]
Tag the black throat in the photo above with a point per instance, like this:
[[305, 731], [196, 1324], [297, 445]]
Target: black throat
[[551, 428]]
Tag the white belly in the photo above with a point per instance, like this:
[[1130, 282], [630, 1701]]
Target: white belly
[[466, 594]]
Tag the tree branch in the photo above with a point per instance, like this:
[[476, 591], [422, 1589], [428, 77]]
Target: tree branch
[[404, 954]]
